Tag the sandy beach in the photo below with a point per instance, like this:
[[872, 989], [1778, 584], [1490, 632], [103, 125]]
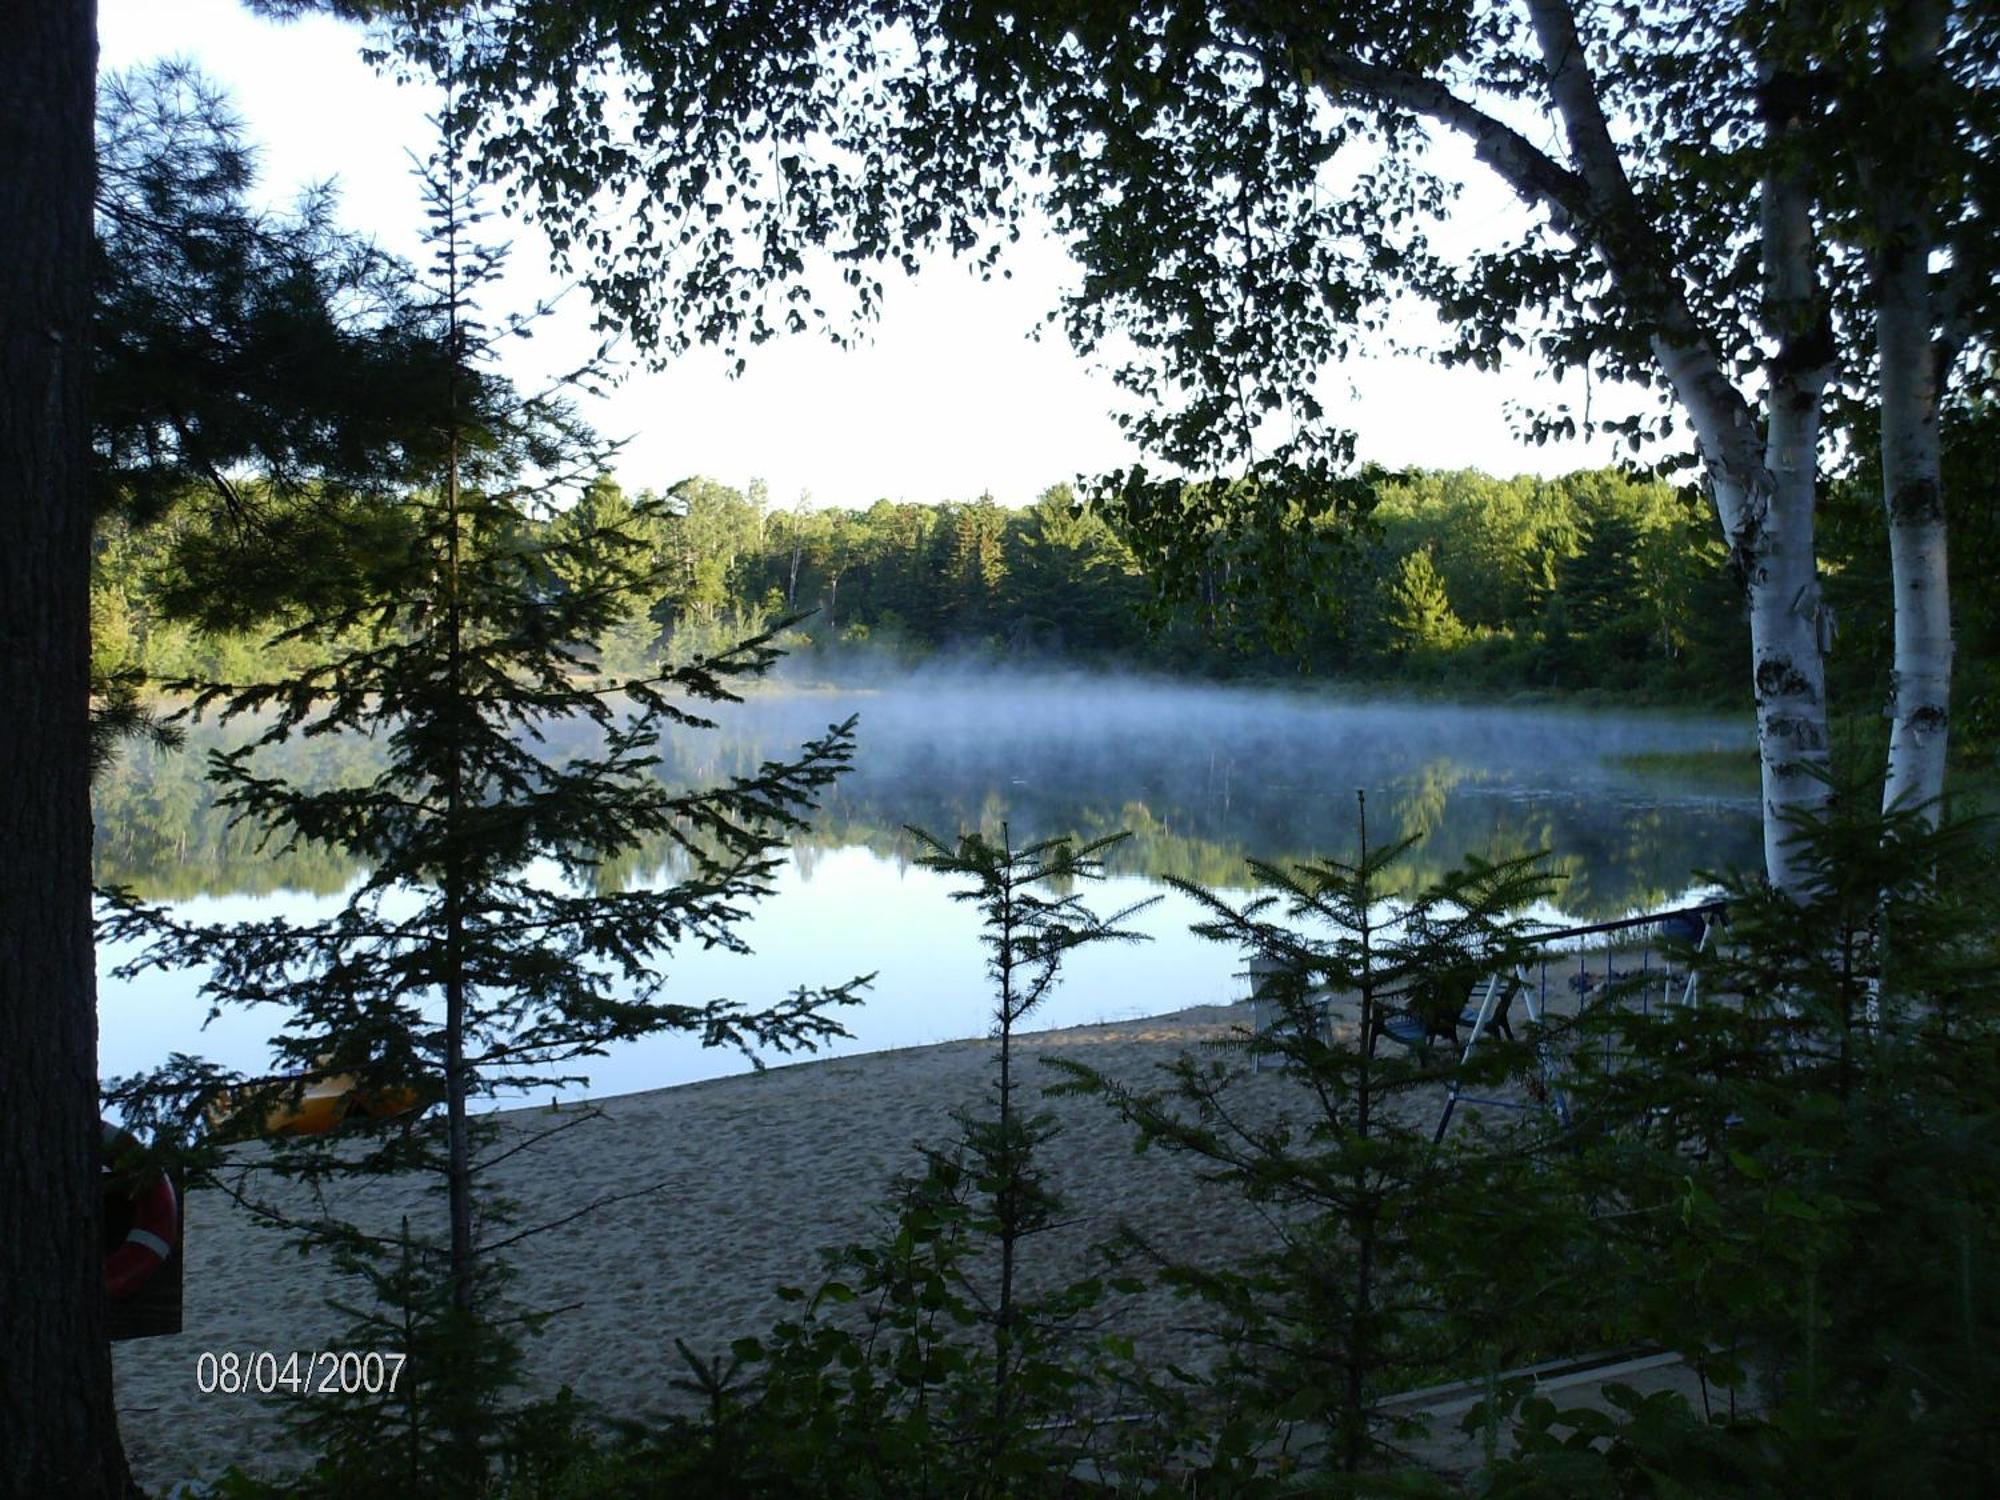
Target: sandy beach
[[741, 1181]]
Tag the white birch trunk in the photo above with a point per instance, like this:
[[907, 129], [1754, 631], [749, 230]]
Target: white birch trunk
[[1764, 495], [1788, 637], [1765, 502], [1788, 626], [1913, 495], [1912, 479]]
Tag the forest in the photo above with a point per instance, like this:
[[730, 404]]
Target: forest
[[1595, 580], [1599, 584]]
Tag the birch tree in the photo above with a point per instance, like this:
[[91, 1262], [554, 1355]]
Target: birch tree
[[1915, 79], [1912, 491]]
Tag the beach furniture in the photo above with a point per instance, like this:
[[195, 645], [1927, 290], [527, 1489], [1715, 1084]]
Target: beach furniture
[[1656, 950], [1679, 934], [1480, 1004], [1401, 1017]]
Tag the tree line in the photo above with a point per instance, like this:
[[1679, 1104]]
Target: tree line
[[1598, 581], [1592, 580]]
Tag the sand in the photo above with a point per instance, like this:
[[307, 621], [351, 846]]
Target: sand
[[740, 1182]]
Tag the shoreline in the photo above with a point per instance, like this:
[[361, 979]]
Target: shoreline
[[800, 676]]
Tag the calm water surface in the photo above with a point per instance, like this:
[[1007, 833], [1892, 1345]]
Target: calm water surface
[[1203, 778]]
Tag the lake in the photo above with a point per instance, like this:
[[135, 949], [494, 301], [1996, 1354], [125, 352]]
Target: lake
[[1204, 779]]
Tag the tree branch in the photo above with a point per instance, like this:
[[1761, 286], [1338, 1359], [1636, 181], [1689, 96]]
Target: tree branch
[[588, 1113], [569, 1218], [1534, 175]]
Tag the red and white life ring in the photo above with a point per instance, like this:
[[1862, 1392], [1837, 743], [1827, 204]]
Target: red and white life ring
[[149, 1242]]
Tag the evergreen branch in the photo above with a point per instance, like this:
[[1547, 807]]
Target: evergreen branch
[[608, 1200], [582, 1117]]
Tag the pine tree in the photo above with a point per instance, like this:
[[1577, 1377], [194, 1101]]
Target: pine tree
[[1602, 583], [1399, 1255], [1027, 933], [1069, 584], [916, 1366], [455, 971], [1420, 610], [974, 563]]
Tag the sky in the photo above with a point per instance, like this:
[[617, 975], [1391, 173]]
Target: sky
[[949, 398]]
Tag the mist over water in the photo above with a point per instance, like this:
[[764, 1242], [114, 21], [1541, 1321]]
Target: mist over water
[[1203, 777], [1207, 777]]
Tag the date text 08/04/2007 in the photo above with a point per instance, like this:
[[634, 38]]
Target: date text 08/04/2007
[[297, 1372]]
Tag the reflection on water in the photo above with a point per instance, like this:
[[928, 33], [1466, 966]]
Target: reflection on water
[[1204, 778]]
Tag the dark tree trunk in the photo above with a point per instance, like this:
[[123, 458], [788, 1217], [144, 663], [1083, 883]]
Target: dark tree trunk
[[58, 1428]]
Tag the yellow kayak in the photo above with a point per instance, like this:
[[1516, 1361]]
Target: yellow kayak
[[323, 1103]]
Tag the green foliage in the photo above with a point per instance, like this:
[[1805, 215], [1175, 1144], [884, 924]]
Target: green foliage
[[1070, 585], [1800, 1184], [229, 338], [1253, 562], [118, 714], [458, 1366], [1395, 1257], [1420, 611], [1596, 580], [1497, 542], [971, 566], [879, 1385], [1525, 589]]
